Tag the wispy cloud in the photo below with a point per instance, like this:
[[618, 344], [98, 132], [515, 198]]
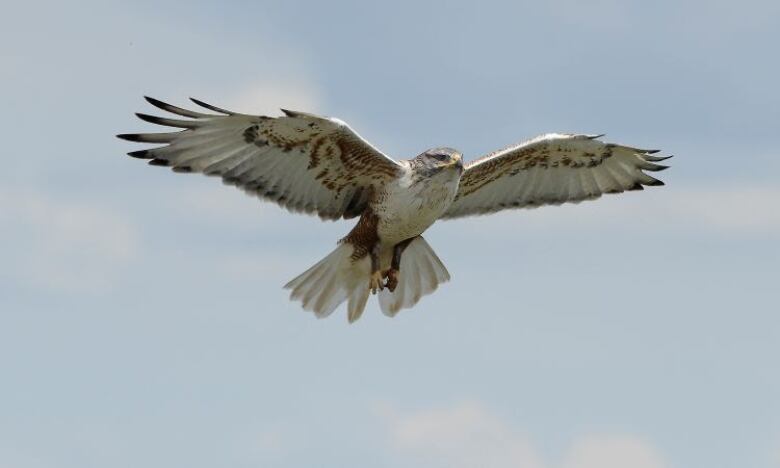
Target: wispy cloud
[[467, 435], [774, 456], [464, 435], [62, 245], [612, 451]]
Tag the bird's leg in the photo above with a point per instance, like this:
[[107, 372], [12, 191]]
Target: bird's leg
[[375, 283], [395, 265]]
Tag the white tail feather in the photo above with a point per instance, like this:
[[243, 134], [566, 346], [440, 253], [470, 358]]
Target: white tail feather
[[338, 278], [331, 281], [421, 273]]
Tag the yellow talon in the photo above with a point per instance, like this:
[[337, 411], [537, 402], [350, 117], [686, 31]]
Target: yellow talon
[[392, 278], [375, 283]]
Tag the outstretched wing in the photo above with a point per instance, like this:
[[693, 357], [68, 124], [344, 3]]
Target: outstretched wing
[[303, 162], [550, 170]]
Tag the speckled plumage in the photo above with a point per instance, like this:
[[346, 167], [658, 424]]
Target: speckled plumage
[[318, 165]]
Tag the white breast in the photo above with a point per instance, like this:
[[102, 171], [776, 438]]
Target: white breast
[[409, 207]]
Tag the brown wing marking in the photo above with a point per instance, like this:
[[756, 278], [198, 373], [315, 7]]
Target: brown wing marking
[[493, 169]]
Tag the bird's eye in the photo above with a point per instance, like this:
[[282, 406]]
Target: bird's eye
[[440, 157]]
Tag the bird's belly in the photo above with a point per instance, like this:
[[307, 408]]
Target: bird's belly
[[408, 213]]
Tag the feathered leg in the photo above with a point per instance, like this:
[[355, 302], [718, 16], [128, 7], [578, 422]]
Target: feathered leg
[[395, 265], [375, 283]]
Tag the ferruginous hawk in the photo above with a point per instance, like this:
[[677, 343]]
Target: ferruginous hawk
[[319, 165]]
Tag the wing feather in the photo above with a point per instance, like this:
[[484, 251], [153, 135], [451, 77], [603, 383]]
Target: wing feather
[[550, 170], [301, 161]]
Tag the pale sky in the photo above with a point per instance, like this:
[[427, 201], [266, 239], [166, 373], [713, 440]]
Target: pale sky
[[143, 319]]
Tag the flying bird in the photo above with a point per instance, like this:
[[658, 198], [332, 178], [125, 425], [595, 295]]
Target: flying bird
[[319, 165]]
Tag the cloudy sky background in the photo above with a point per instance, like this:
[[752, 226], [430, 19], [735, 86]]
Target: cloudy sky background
[[143, 320]]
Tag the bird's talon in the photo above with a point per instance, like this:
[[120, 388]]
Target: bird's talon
[[392, 278], [376, 283]]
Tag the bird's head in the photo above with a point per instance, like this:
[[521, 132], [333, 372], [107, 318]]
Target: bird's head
[[437, 159]]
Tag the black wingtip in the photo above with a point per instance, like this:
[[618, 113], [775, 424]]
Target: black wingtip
[[659, 167], [655, 183], [150, 137], [159, 162], [173, 109], [141, 154], [148, 118], [155, 102], [135, 137], [176, 123], [210, 107], [656, 158]]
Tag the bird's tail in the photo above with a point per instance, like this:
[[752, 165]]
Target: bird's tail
[[421, 273], [339, 277], [334, 279]]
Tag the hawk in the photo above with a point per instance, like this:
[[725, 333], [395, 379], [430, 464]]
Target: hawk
[[319, 165]]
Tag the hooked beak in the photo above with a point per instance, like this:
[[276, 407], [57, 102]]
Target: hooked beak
[[457, 163]]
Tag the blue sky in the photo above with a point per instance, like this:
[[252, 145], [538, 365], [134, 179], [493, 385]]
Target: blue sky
[[143, 320]]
